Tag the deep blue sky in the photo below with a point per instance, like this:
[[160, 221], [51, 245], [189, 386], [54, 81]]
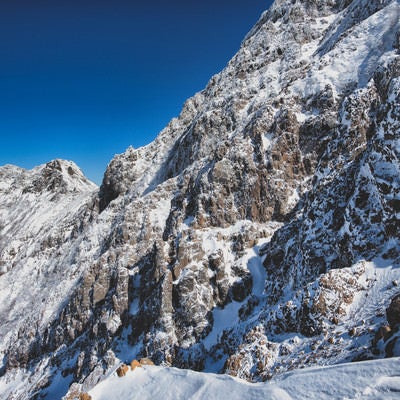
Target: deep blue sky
[[84, 79]]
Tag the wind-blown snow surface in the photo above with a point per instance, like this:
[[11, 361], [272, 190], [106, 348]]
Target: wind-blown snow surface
[[374, 380]]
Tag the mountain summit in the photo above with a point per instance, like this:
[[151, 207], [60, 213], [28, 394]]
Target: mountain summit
[[257, 234]]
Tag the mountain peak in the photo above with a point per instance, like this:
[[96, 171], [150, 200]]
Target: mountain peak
[[58, 176]]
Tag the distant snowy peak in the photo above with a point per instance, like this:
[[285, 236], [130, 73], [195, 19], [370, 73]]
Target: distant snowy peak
[[35, 203], [56, 176], [39, 220], [60, 176]]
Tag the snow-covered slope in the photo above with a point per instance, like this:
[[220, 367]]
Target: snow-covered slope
[[259, 233], [39, 218], [378, 380]]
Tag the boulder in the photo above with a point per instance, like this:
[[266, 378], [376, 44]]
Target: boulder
[[122, 370], [146, 361], [135, 363]]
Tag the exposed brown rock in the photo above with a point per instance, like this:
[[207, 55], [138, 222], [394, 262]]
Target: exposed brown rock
[[135, 364], [122, 370], [85, 396], [146, 361]]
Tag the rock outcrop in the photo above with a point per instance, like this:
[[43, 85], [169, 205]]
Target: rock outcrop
[[393, 312]]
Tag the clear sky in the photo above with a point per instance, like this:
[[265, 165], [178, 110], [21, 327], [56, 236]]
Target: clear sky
[[84, 79]]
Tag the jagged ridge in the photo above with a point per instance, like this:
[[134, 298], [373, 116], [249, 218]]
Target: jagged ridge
[[298, 135]]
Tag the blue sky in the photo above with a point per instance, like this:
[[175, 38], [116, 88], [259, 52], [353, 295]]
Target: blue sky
[[83, 80]]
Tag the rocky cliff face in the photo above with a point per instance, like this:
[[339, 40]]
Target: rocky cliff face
[[258, 233]]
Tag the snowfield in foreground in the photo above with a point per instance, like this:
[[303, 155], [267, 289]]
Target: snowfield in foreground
[[378, 379]]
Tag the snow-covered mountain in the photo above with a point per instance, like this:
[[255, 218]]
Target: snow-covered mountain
[[259, 233]]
